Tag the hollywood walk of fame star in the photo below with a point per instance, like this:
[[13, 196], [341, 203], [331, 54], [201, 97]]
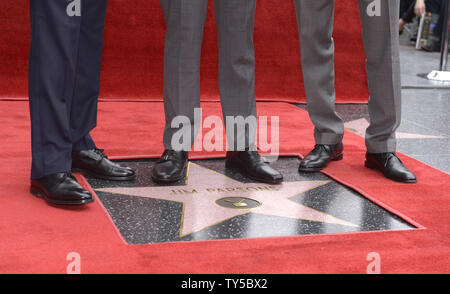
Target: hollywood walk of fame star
[[205, 188]]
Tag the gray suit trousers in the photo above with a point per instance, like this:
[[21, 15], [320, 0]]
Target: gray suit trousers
[[380, 36], [185, 21]]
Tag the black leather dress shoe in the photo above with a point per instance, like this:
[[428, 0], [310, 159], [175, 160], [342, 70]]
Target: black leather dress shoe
[[170, 167], [96, 164], [391, 167], [250, 164], [320, 156], [60, 188]]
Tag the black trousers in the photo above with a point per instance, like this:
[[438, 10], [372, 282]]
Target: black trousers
[[407, 10], [436, 6], [64, 80]]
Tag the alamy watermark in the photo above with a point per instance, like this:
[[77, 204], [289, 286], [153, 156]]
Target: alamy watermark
[[74, 266], [374, 8], [242, 133], [74, 8], [374, 267]]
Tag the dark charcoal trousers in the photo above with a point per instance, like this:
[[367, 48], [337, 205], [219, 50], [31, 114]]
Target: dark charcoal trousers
[[64, 78]]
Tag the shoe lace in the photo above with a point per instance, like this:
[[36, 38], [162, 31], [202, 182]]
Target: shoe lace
[[100, 152], [387, 157], [254, 156], [391, 155], [167, 155], [67, 175], [321, 146]]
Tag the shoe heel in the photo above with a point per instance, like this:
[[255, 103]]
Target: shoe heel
[[370, 165], [339, 157], [77, 170], [230, 164], [35, 191]]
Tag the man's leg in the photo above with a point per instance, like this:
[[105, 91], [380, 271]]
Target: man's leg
[[86, 157], [381, 44], [315, 24], [183, 45], [87, 82], [435, 7], [52, 66], [235, 25], [406, 12]]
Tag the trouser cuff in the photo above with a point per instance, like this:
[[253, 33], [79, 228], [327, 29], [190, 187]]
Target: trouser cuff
[[381, 147], [85, 143], [327, 138]]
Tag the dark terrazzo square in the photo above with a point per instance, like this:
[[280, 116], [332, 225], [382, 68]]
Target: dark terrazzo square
[[145, 220]]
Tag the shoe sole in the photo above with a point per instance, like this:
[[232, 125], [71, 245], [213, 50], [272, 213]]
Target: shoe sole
[[234, 166], [102, 177], [166, 181], [373, 166], [38, 192], [318, 169]]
